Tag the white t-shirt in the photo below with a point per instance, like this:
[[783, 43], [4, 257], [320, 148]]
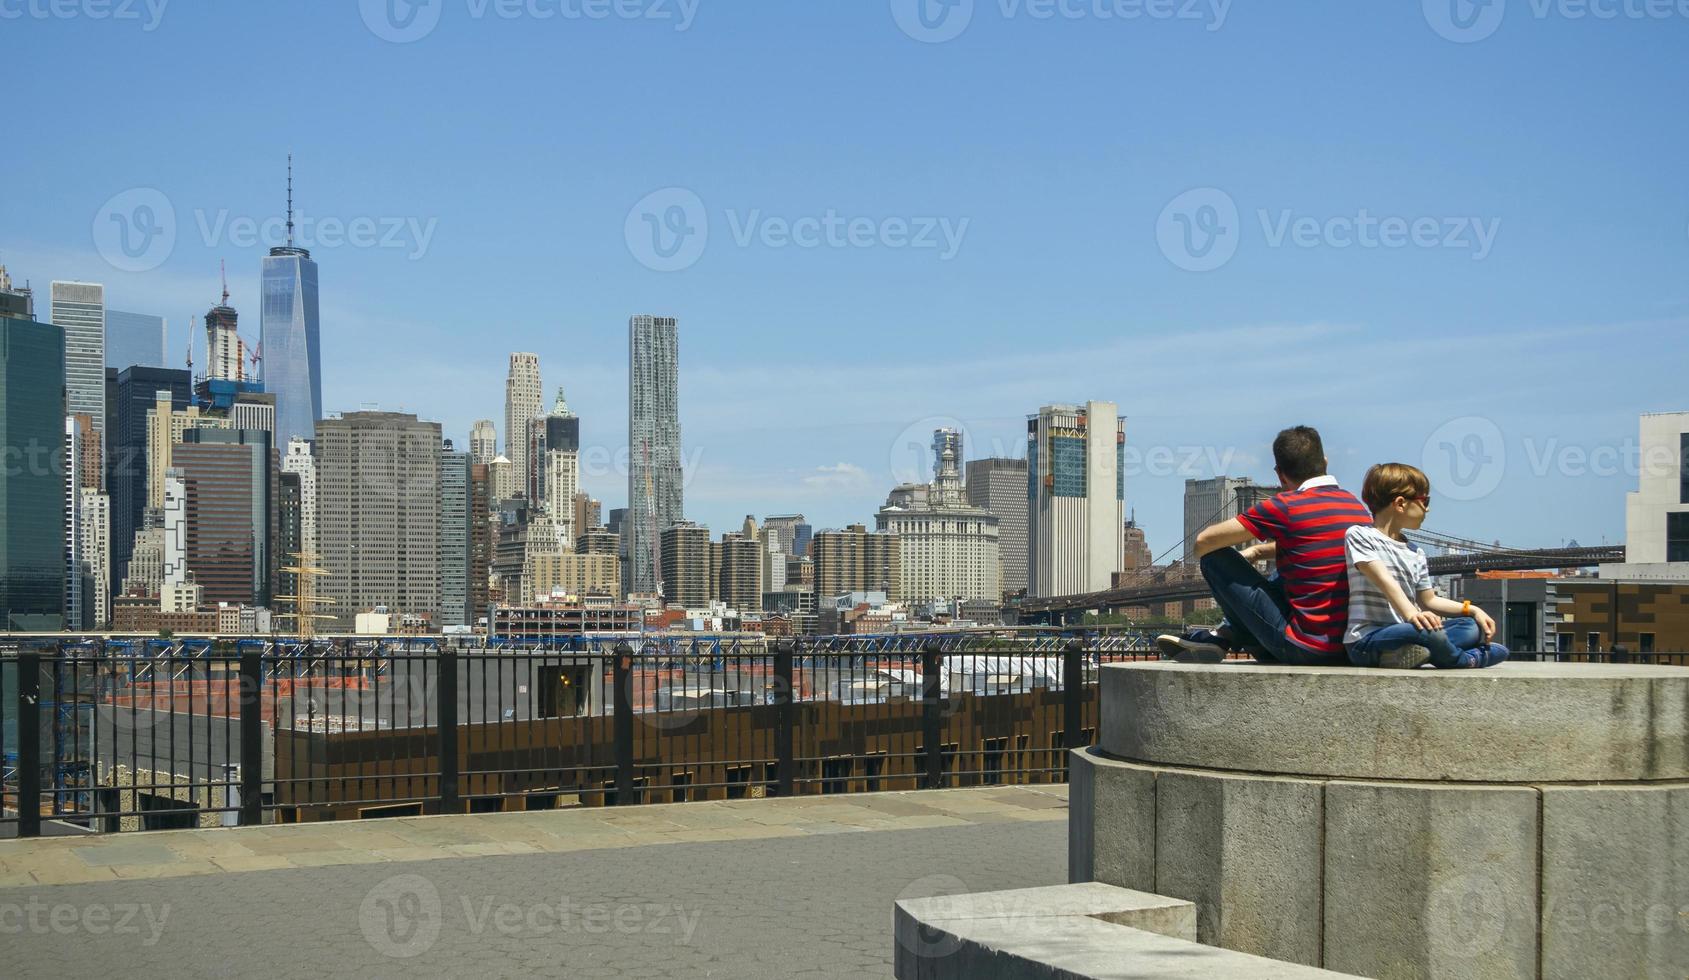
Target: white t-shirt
[[1368, 608]]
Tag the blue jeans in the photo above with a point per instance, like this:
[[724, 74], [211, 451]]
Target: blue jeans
[[1451, 646], [1256, 610]]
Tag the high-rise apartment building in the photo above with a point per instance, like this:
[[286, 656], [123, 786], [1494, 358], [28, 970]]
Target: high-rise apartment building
[[736, 568], [599, 541], [948, 549], [455, 520], [483, 442], [79, 308], [857, 560], [230, 480], [687, 567], [521, 406], [480, 541], [1076, 498], [655, 481], [289, 332], [1210, 502], [290, 540], [136, 340], [999, 486], [253, 410], [378, 503], [79, 577]]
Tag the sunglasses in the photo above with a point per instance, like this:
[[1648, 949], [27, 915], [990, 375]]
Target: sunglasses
[[1424, 502]]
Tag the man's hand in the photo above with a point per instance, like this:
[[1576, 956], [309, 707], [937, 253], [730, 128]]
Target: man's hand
[[1485, 623], [1426, 620]]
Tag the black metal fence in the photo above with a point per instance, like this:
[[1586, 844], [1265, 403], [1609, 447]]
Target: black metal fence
[[118, 734]]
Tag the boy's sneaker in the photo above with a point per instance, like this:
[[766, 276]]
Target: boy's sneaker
[[1488, 656], [1409, 657], [1199, 646]]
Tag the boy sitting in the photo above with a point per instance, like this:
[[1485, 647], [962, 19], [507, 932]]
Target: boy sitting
[[1387, 628]]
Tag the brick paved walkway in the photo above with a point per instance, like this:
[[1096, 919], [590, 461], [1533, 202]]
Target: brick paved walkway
[[754, 888]]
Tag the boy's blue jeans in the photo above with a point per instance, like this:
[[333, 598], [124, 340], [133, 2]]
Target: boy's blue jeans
[[1450, 646]]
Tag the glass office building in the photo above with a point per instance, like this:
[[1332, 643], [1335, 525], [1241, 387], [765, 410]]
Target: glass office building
[[32, 502], [135, 339], [288, 334]]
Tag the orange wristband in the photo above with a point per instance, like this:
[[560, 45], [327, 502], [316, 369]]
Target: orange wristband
[[1466, 608]]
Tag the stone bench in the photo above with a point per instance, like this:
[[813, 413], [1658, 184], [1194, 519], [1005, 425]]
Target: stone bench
[[1066, 931]]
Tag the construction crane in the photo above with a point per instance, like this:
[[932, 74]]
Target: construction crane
[[305, 603]]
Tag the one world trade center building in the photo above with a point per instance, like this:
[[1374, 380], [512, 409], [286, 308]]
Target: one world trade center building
[[288, 336]]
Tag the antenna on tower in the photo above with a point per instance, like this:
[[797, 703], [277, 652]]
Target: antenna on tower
[[223, 265], [290, 200]]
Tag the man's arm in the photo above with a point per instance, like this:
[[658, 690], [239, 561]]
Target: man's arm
[[1262, 551], [1222, 535]]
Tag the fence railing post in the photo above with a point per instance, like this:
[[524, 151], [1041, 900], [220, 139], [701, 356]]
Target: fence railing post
[[29, 743], [251, 739], [932, 716], [445, 689], [785, 712], [1072, 692], [622, 723]]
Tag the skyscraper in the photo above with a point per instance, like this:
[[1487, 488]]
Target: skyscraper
[[225, 352], [687, 569], [999, 486], [1209, 502], [947, 547], [455, 518], [230, 481], [136, 339], [857, 560], [1076, 490], [561, 469], [299, 461], [378, 480], [80, 308], [480, 540], [289, 333], [655, 487], [483, 442], [736, 571], [521, 406], [126, 451]]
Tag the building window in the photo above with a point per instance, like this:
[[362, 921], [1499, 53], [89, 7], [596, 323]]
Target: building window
[[1645, 643], [1677, 536], [1594, 643], [1683, 468]]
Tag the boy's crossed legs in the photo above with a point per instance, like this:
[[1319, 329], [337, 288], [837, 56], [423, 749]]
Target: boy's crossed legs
[[1460, 643]]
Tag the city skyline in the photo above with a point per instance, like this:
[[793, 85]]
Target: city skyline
[[1572, 286]]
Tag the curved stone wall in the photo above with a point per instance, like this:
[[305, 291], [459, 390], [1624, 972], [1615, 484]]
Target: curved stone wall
[[1525, 821]]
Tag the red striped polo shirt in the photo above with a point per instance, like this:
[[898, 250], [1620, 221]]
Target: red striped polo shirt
[[1308, 526]]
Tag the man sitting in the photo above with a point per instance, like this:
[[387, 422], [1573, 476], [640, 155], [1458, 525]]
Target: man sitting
[[1299, 616]]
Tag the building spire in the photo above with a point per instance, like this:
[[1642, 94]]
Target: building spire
[[290, 199], [561, 406], [223, 265]]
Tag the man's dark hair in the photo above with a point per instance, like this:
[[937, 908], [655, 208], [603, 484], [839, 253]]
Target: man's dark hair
[[1299, 454]]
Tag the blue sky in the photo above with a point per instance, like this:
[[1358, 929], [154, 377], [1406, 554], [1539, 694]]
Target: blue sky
[[1532, 299]]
